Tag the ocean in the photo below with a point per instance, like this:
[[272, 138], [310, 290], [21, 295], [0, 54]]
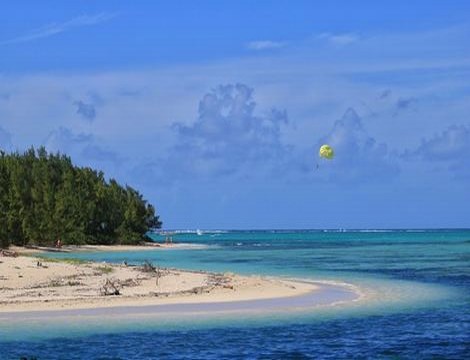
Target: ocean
[[420, 309]]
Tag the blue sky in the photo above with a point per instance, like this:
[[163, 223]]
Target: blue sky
[[215, 110]]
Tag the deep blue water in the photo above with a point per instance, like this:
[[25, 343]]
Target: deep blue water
[[424, 276]]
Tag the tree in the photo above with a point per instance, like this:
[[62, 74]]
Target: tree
[[4, 184], [45, 197]]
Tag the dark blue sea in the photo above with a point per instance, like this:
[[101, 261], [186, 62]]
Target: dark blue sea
[[419, 307]]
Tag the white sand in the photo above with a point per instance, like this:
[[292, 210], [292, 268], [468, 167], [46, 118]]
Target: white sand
[[25, 286], [98, 248]]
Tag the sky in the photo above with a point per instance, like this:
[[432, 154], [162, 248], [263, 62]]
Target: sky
[[215, 111]]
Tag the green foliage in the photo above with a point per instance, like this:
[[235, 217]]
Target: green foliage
[[4, 182], [71, 261], [44, 197], [105, 269]]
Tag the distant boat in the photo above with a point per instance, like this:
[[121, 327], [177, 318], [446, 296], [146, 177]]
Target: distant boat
[[199, 232]]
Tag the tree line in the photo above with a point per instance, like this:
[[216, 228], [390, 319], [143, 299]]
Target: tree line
[[44, 197]]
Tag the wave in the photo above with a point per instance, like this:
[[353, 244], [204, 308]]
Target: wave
[[190, 231], [214, 233], [190, 246]]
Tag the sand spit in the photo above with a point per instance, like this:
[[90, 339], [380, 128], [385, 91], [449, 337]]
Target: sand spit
[[29, 283], [31, 250]]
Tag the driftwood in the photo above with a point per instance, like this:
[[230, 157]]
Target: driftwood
[[110, 287], [219, 280], [8, 253], [195, 290], [129, 283], [148, 267], [214, 281], [158, 275]]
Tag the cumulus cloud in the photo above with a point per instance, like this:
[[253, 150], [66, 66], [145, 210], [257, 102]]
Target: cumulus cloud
[[358, 155], [83, 148], [87, 111], [57, 28], [265, 45], [228, 137], [452, 144], [449, 149]]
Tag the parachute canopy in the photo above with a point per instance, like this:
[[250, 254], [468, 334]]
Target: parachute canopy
[[327, 152]]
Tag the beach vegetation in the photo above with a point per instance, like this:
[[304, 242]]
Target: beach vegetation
[[105, 269], [45, 197], [71, 261], [147, 266], [110, 287]]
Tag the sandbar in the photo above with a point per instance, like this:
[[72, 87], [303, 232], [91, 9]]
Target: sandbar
[[33, 286]]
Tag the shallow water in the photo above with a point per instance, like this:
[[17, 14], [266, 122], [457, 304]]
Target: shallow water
[[419, 282]]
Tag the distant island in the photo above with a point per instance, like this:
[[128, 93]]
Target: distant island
[[44, 197]]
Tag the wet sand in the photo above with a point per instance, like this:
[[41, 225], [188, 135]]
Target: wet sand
[[325, 294]]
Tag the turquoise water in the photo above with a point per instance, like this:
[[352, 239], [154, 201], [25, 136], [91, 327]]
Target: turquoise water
[[419, 282]]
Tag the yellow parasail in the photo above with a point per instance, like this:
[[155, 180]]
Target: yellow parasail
[[327, 152]]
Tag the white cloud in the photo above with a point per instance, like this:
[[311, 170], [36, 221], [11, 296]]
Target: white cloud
[[265, 45], [314, 86], [86, 149], [339, 39], [358, 156], [82, 147], [453, 144], [228, 137], [57, 28], [449, 148]]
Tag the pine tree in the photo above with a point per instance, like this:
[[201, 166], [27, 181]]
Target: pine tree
[[45, 197], [4, 187]]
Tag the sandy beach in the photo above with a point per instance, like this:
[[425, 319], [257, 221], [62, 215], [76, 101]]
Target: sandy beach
[[96, 248], [29, 283]]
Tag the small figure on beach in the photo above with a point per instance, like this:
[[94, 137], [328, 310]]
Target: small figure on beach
[[58, 243]]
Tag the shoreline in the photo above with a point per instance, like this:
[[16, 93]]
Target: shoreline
[[33, 284], [324, 295], [32, 250]]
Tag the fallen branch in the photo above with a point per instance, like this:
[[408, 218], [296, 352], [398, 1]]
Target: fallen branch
[[148, 267], [110, 287], [8, 253]]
